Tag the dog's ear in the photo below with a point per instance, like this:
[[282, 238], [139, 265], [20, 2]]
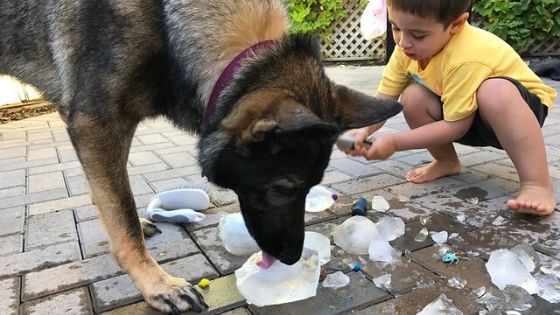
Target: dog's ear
[[273, 111], [355, 109]]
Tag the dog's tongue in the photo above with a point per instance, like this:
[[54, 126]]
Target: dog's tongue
[[266, 261]]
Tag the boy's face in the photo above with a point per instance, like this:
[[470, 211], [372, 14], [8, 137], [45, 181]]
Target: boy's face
[[420, 38]]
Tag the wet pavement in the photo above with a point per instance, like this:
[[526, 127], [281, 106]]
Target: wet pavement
[[54, 257]]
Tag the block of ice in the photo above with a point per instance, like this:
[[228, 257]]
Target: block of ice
[[355, 234], [280, 283], [439, 237], [390, 228], [378, 203], [380, 250], [319, 198], [319, 243], [336, 280], [505, 268], [235, 236], [441, 305]]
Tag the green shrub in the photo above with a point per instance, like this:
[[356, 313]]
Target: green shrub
[[521, 22], [315, 16]]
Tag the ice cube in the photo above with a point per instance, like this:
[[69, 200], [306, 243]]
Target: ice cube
[[319, 243], [383, 282], [422, 235], [527, 255], [505, 268], [390, 227], [439, 237], [235, 236], [379, 204], [441, 305], [355, 234], [336, 280], [319, 199], [280, 283], [380, 250]]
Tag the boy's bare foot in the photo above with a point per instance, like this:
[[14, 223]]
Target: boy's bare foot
[[433, 171], [533, 200]]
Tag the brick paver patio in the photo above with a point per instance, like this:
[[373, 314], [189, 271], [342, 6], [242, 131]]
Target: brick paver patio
[[54, 257]]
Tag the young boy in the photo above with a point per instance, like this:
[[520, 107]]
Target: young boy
[[458, 83]]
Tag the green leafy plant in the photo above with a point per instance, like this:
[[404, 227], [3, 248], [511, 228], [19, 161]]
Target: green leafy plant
[[315, 16], [522, 22]]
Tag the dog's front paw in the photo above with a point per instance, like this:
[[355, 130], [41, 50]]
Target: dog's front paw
[[148, 228], [179, 296]]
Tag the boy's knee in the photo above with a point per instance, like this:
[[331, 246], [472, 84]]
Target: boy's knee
[[415, 96], [494, 93]]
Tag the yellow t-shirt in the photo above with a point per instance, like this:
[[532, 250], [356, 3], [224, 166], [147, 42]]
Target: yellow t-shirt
[[455, 73]]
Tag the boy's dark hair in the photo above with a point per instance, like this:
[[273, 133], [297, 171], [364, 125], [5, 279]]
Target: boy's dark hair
[[443, 11]]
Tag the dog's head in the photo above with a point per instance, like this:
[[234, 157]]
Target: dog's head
[[275, 142]]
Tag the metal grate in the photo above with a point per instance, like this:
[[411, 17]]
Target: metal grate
[[347, 42]]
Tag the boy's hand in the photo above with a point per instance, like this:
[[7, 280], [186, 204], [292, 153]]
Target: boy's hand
[[360, 136], [381, 148]]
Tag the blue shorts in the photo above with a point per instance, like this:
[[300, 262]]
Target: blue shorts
[[481, 135]]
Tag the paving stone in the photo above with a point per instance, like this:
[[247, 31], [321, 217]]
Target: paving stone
[[9, 296], [77, 185], [334, 177], [41, 154], [16, 164], [19, 151], [180, 159], [168, 184], [68, 155], [366, 184], [209, 240], [120, 290], [40, 197], [400, 206], [68, 276], [146, 169], [85, 213], [143, 158], [354, 168], [11, 244], [476, 215], [74, 302], [50, 228], [151, 139], [50, 256], [171, 173], [496, 169], [484, 190], [17, 192], [358, 294], [413, 191], [405, 276], [415, 301], [35, 136], [481, 157], [417, 159], [139, 185], [393, 167], [472, 269], [12, 220], [435, 223], [491, 238], [46, 181], [59, 204], [471, 176], [12, 178]]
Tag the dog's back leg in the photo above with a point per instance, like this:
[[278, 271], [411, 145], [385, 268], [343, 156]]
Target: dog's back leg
[[102, 147]]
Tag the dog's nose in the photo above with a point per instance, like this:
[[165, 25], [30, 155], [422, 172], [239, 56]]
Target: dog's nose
[[291, 252]]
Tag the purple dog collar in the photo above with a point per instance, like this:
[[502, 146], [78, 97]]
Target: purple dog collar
[[228, 74]]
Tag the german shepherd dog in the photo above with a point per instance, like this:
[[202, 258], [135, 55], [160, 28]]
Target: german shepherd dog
[[229, 70]]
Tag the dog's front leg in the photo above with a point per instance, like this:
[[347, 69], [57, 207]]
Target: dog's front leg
[[103, 146]]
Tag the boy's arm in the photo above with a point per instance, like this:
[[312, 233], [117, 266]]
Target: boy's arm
[[432, 134]]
